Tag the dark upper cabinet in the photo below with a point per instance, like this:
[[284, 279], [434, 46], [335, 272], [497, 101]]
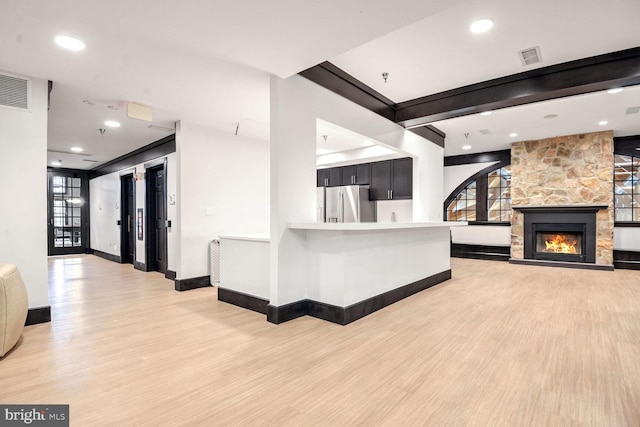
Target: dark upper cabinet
[[392, 179], [356, 174], [380, 185], [402, 178], [331, 177]]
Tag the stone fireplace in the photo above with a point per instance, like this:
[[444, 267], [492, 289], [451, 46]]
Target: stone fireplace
[[562, 197]]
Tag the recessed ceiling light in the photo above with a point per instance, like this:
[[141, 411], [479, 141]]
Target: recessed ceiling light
[[615, 90], [56, 163], [70, 43], [466, 147], [112, 124], [513, 134], [481, 26], [550, 116], [603, 122], [77, 149], [485, 113]]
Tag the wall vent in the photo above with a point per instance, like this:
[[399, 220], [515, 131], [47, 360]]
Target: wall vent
[[633, 110], [14, 92], [160, 128], [530, 56]]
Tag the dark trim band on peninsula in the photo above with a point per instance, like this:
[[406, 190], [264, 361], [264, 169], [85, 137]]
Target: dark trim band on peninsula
[[110, 257], [38, 315], [243, 300], [159, 148], [346, 315], [192, 283]]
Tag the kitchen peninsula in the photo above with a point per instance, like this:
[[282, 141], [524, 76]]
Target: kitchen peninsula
[[350, 269]]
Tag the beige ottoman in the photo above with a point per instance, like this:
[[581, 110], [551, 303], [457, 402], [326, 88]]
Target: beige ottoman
[[13, 307]]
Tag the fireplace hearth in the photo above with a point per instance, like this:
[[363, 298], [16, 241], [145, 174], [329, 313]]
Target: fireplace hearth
[[560, 234]]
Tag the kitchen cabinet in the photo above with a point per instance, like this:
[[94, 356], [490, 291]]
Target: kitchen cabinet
[[356, 174], [331, 177], [392, 179]]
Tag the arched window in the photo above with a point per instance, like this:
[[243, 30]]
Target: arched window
[[485, 198]]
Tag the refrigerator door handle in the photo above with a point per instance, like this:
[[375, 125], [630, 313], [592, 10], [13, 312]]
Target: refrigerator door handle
[[341, 208]]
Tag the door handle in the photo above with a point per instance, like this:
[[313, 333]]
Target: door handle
[[391, 194]]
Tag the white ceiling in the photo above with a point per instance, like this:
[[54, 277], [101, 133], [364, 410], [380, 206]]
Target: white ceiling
[[209, 62]]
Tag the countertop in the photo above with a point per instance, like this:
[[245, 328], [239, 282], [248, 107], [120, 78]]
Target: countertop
[[260, 237], [355, 226]]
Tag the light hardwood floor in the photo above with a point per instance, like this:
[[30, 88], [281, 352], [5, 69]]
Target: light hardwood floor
[[498, 345]]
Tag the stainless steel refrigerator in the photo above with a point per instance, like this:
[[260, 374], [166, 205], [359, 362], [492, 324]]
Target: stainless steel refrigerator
[[349, 203]]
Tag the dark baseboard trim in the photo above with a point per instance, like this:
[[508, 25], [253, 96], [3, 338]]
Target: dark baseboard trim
[[192, 283], [628, 260], [243, 300], [110, 257], [580, 265], [346, 315], [170, 274], [287, 312], [139, 265], [493, 253], [38, 315]]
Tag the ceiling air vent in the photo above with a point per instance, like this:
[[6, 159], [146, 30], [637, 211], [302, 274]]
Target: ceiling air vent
[[633, 110], [484, 131], [89, 160], [14, 92], [160, 128], [530, 56]]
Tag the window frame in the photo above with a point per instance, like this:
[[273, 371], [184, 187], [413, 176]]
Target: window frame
[[482, 181]]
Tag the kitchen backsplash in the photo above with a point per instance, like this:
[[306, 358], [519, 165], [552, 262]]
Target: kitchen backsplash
[[395, 210]]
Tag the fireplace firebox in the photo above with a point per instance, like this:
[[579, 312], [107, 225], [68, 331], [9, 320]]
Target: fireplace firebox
[[559, 242]]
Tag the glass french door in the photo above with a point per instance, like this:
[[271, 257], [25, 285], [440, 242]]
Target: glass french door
[[67, 213]]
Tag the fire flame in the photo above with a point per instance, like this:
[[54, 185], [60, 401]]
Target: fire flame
[[560, 244]]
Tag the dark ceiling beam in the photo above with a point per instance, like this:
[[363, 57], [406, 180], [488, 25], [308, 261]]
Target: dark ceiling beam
[[336, 80], [556, 81]]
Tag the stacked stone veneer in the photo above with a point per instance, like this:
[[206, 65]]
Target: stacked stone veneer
[[566, 170]]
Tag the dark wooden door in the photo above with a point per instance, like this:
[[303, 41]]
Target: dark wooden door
[[156, 219], [402, 178], [380, 185], [127, 221]]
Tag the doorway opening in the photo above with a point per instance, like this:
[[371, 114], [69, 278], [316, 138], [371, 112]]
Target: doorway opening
[[68, 201]]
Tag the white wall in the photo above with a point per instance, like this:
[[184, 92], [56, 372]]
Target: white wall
[[23, 181], [296, 103], [227, 175]]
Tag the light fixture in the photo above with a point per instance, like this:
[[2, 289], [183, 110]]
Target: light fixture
[[112, 124], [56, 163], [385, 76], [615, 90], [485, 113], [603, 122], [69, 43], [466, 147], [77, 149], [481, 26], [513, 134]]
